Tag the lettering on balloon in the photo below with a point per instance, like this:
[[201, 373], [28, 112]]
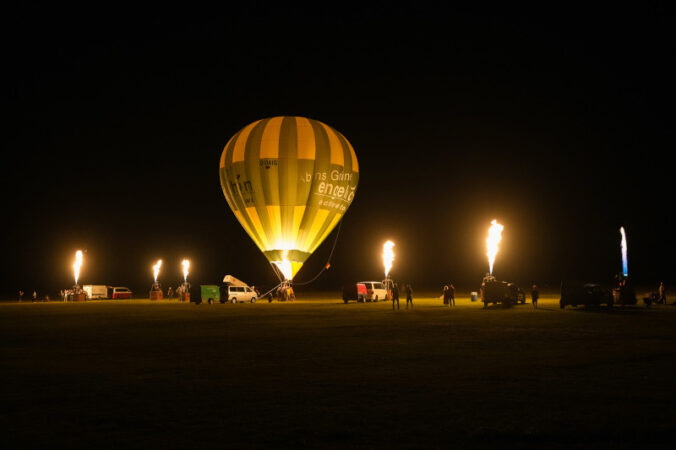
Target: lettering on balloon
[[336, 192], [244, 189], [334, 188], [267, 163]]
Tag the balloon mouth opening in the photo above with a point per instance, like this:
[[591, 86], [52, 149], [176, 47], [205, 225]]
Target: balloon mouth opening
[[288, 262], [285, 268]]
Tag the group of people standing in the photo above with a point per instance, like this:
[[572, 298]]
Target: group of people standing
[[34, 298], [449, 295], [395, 295], [178, 293]]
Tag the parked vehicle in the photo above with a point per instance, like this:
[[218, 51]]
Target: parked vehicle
[[588, 294], [209, 293], [121, 292], [236, 291], [375, 290], [493, 291], [238, 294], [95, 291], [355, 291]]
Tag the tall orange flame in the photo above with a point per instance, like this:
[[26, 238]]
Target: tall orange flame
[[186, 266], [492, 241], [388, 256], [285, 266], [156, 269], [77, 265]]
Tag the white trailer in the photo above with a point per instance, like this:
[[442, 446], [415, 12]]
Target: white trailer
[[96, 290]]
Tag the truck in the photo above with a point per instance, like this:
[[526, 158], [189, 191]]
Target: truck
[[494, 291], [355, 291], [95, 291], [585, 294]]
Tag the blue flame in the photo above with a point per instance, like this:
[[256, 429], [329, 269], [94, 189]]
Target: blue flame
[[623, 246]]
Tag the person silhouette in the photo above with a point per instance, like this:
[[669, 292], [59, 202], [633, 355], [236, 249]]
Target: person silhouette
[[535, 294], [409, 296], [395, 295]]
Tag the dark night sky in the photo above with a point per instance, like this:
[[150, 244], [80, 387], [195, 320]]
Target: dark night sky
[[556, 120]]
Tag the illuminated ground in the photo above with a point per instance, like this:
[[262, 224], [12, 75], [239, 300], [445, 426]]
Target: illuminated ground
[[324, 374]]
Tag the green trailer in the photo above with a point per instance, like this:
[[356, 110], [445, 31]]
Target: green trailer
[[210, 293]]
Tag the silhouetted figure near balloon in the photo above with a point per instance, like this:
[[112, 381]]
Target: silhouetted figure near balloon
[[662, 294], [20, 295], [451, 295], [447, 295], [535, 294], [409, 296], [395, 295]]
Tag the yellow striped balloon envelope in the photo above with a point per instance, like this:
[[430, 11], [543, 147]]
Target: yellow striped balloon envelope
[[289, 180]]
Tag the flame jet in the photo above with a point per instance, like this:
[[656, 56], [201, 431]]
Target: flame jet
[[186, 266], [77, 265], [388, 257], [285, 266], [623, 247], [492, 241], [156, 269]]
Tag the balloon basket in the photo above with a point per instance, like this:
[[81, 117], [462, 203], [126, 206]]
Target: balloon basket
[[156, 295], [78, 297], [185, 297]]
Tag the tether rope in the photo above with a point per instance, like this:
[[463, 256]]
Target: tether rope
[[328, 261]]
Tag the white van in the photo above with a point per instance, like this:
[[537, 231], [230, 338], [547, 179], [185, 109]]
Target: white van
[[375, 291], [237, 294], [95, 291]]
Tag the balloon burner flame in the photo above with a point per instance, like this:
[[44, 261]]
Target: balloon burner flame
[[77, 264], [284, 266], [186, 267], [388, 257], [623, 246], [156, 269], [492, 241]]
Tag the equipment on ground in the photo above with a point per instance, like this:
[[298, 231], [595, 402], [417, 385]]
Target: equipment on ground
[[156, 292], [624, 293]]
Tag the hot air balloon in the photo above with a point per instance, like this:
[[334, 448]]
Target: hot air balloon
[[289, 181]]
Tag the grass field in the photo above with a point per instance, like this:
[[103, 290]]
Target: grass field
[[131, 374]]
